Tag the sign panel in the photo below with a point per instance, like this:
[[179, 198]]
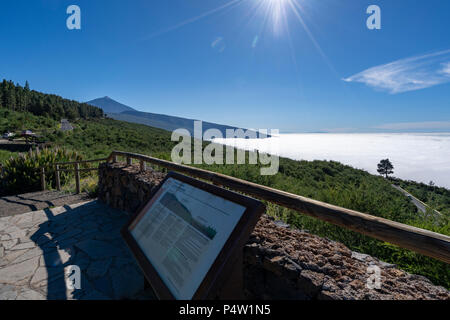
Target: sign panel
[[188, 231]]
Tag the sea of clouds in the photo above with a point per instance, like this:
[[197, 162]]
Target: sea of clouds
[[422, 157]]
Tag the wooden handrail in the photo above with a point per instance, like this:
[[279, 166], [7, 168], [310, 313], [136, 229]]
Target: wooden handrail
[[76, 169], [426, 242], [81, 170], [80, 162], [42, 172]]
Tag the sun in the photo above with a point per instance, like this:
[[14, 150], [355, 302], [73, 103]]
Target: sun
[[276, 13]]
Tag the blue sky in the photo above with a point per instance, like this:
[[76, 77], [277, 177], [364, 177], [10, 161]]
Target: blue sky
[[241, 65]]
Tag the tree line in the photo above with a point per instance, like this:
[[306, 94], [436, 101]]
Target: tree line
[[18, 98]]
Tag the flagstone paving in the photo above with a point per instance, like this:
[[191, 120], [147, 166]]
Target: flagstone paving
[[35, 247], [35, 201]]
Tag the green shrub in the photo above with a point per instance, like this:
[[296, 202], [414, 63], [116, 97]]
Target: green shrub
[[22, 173], [88, 184]]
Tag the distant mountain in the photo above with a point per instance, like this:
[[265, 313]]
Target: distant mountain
[[119, 111], [109, 105]]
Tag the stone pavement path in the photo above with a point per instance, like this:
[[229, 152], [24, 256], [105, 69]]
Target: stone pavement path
[[13, 205], [35, 247]]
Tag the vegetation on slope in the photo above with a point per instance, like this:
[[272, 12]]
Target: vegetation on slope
[[14, 121], [437, 198], [5, 155], [22, 173], [18, 98], [96, 138]]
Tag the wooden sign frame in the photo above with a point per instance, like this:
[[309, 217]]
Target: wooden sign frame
[[225, 262]]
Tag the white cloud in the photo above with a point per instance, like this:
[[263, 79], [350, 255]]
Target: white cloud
[[416, 156], [339, 130], [435, 125], [446, 68], [407, 74]]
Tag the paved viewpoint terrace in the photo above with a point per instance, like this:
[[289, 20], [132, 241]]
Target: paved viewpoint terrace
[[37, 246], [35, 201]]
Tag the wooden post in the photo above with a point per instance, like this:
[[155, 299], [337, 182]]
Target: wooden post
[[77, 177], [114, 159], [233, 288], [143, 166], [129, 161], [43, 179], [58, 180]]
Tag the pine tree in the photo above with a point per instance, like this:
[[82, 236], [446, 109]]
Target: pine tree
[[385, 168], [10, 96]]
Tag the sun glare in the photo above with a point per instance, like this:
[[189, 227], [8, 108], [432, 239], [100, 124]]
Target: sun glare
[[272, 14], [276, 10], [276, 13]]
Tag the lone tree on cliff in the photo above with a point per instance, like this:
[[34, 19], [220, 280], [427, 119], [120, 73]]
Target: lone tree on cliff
[[385, 168]]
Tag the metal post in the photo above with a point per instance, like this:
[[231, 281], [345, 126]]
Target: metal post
[[77, 177], [43, 179], [58, 180]]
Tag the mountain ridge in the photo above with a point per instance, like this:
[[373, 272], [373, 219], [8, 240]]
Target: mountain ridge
[[122, 112], [109, 105]]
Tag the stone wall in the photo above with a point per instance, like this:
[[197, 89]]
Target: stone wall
[[281, 262], [124, 187]]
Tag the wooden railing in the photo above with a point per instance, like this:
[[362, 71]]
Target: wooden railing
[[60, 167], [426, 242]]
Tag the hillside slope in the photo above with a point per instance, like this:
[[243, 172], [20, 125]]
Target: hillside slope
[[14, 97], [119, 111]]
